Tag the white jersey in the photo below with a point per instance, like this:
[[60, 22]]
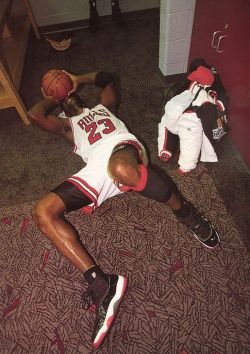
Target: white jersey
[[95, 128], [96, 132]]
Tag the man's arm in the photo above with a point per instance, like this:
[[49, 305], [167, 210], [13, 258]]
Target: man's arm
[[40, 115], [110, 94], [79, 80], [108, 82]]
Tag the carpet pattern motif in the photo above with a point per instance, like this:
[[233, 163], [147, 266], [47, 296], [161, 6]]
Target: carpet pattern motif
[[181, 298]]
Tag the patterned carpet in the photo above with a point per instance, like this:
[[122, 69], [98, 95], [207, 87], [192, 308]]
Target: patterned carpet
[[182, 298]]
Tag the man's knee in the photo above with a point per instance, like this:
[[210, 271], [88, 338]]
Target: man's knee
[[47, 209], [41, 216], [158, 187]]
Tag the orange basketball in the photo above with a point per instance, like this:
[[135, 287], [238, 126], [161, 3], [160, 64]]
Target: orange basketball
[[57, 84]]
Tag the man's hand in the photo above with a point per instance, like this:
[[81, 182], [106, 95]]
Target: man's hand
[[74, 80], [48, 97], [79, 80]]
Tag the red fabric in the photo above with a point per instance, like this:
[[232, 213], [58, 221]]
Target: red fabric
[[165, 155], [181, 172], [143, 180], [202, 75]]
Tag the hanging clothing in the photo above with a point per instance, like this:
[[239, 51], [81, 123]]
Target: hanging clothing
[[192, 115]]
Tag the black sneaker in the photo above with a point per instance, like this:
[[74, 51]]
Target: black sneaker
[[202, 228], [107, 305]]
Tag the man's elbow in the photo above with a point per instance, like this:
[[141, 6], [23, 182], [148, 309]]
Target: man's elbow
[[33, 117]]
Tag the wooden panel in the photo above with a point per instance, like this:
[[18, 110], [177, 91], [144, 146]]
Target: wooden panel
[[10, 97], [14, 48], [5, 99], [14, 34]]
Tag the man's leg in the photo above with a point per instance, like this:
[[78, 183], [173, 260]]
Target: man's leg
[[163, 190], [48, 213], [126, 169], [105, 290]]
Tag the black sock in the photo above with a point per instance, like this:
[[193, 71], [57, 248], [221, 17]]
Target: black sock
[[92, 273], [184, 211]]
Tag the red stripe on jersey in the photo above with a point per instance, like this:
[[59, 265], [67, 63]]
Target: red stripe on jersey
[[88, 209], [84, 188], [143, 180], [93, 190], [124, 188], [165, 139], [134, 143]]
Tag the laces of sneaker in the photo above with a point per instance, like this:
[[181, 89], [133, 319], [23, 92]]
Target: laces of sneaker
[[198, 224], [203, 229]]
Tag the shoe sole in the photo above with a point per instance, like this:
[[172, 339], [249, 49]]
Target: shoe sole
[[112, 311], [203, 242]]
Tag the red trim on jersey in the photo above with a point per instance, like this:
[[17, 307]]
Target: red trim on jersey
[[181, 172], [124, 188], [74, 180], [88, 209], [143, 180], [93, 190], [165, 139], [134, 143]]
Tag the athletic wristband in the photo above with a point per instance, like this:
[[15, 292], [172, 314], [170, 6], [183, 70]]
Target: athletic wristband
[[103, 78]]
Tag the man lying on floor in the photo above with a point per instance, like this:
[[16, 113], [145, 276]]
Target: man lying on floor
[[116, 162]]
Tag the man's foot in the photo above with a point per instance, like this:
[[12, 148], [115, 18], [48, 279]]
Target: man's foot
[[202, 229], [107, 296]]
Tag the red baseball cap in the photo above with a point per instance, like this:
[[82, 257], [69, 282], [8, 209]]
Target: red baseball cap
[[202, 75]]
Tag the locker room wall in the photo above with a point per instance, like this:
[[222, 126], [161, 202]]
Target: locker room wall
[[50, 12]]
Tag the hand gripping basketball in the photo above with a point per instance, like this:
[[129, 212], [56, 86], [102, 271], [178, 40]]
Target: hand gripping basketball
[[56, 84]]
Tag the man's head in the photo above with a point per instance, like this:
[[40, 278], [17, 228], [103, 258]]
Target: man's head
[[124, 165], [124, 168], [73, 105]]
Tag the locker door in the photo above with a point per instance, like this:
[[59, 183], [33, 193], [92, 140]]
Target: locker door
[[221, 36]]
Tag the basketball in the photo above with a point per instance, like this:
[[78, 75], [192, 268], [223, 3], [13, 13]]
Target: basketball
[[57, 84]]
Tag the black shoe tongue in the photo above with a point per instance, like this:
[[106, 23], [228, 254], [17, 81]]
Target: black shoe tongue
[[99, 289]]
